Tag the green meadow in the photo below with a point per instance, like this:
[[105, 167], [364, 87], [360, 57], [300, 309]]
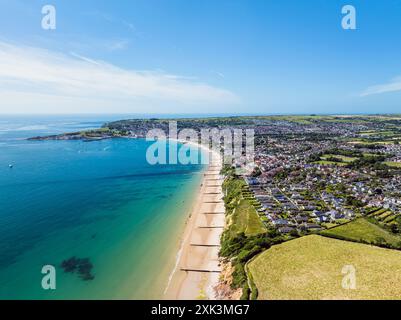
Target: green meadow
[[361, 230], [311, 267]]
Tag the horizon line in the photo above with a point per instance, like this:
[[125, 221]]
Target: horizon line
[[311, 114]]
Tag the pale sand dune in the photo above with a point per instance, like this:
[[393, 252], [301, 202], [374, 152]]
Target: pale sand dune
[[198, 265]]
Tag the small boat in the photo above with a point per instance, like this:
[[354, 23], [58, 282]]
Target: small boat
[[10, 166]]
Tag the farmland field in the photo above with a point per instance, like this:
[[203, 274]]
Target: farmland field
[[311, 268], [361, 229]]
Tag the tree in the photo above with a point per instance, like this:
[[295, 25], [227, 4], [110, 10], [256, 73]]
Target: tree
[[256, 172]]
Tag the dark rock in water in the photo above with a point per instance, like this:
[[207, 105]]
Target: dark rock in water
[[82, 266]]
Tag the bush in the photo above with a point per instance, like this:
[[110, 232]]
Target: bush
[[245, 292], [245, 255], [239, 276], [253, 289]]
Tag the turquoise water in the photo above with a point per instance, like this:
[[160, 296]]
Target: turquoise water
[[98, 200]]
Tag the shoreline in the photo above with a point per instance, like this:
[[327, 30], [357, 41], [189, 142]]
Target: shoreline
[[197, 268]]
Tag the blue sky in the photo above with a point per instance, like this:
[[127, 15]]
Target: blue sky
[[200, 56]]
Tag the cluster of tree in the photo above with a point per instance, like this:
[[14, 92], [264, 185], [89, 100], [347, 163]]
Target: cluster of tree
[[369, 146], [395, 226], [338, 189], [256, 172], [384, 173], [335, 151], [232, 188], [283, 174], [374, 162], [228, 170], [245, 247], [344, 152], [380, 242], [314, 157], [316, 137], [352, 201], [334, 159]]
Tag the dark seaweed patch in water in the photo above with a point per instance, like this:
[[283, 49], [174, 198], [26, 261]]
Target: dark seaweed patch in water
[[82, 266]]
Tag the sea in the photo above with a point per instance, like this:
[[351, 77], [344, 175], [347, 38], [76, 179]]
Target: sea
[[97, 207]]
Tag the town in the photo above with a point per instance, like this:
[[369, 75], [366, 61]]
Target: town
[[311, 172]]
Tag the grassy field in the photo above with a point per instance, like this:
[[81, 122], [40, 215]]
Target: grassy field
[[311, 268], [377, 212], [393, 164], [241, 214], [361, 229], [246, 219], [370, 142]]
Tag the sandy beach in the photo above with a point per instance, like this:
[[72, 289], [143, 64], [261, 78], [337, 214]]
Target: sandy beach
[[198, 269]]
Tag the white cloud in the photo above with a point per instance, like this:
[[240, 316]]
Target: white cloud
[[220, 74], [118, 45], [31, 78], [129, 25], [392, 86]]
